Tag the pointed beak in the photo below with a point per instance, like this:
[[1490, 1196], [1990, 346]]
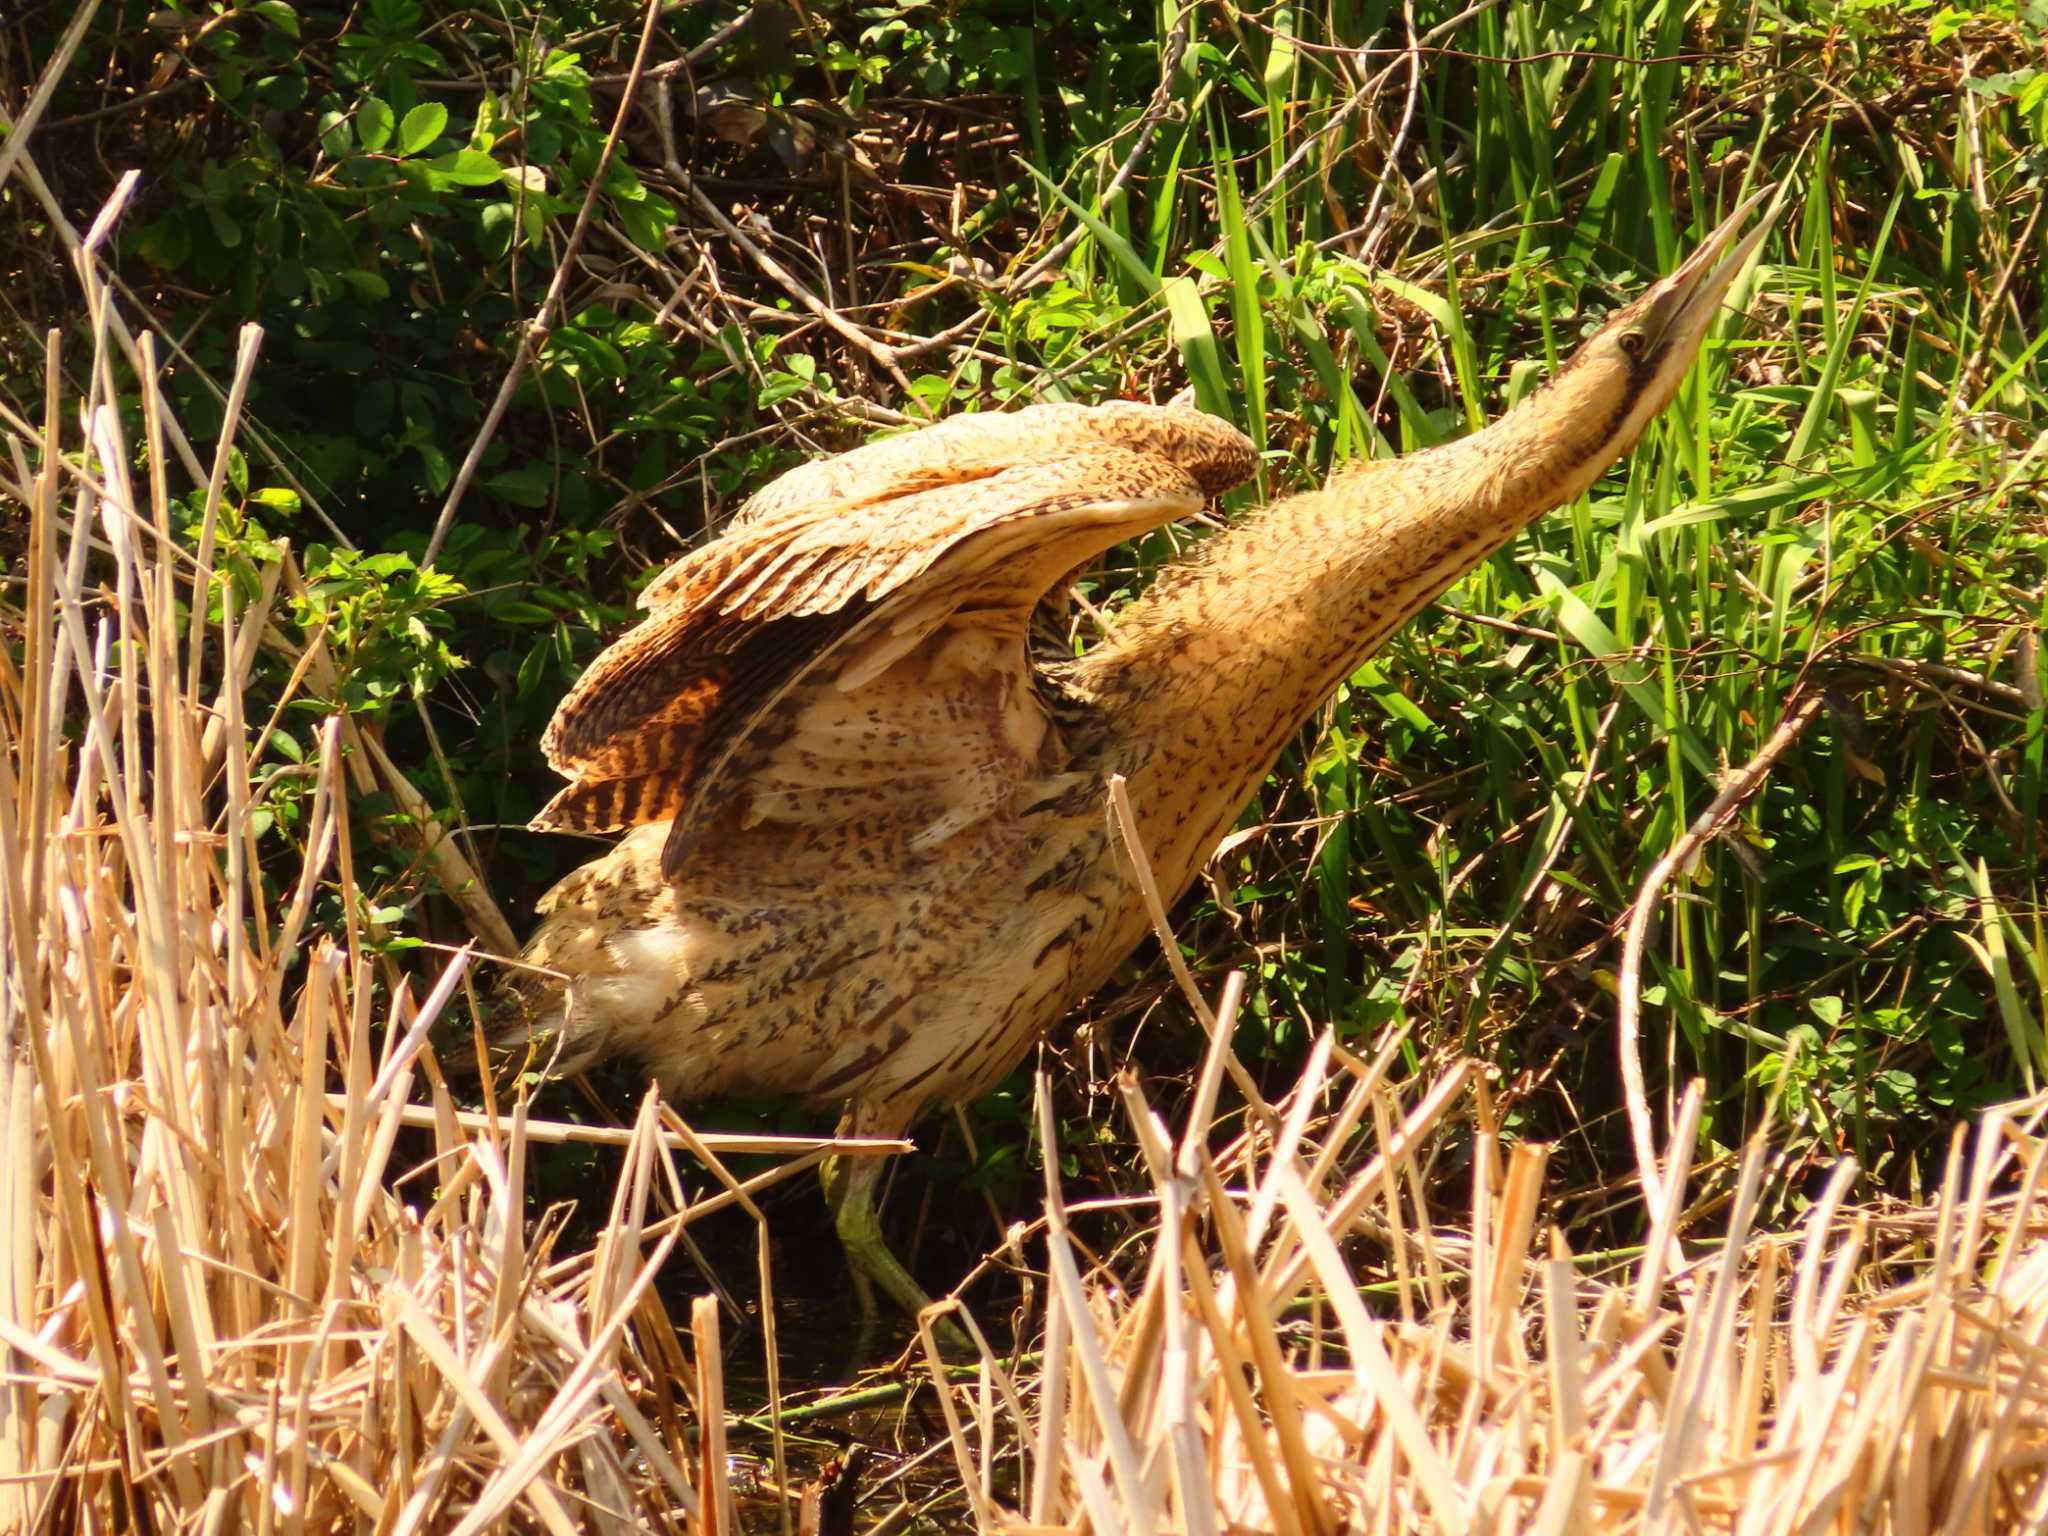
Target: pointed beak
[[1690, 297]]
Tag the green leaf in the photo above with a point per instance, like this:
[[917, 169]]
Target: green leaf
[[469, 168], [1112, 242], [778, 387], [1585, 626], [424, 175], [439, 471], [1372, 680], [543, 143], [646, 220], [1196, 339], [367, 284], [1364, 325], [2028, 1048], [167, 243], [498, 227], [374, 122], [225, 229], [422, 125], [374, 406], [337, 135], [279, 15], [527, 486], [1751, 502], [534, 667], [1247, 319], [1839, 353], [517, 611]]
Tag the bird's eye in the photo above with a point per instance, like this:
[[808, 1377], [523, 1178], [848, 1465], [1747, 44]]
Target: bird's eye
[[1632, 342]]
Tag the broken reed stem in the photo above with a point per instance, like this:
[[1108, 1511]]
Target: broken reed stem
[[1735, 792], [730, 1143]]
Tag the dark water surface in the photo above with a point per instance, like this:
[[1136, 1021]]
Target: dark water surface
[[846, 1389]]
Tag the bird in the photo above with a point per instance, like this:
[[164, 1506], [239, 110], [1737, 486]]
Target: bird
[[866, 859]]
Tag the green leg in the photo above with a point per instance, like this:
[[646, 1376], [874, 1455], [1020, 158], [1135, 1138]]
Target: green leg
[[850, 1194]]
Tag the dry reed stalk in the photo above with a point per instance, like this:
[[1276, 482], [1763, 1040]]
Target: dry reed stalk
[[218, 1309], [1879, 1371]]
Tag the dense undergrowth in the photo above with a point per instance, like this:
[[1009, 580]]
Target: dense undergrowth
[[1350, 228]]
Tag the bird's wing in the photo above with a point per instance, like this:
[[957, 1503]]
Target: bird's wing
[[854, 645], [965, 449]]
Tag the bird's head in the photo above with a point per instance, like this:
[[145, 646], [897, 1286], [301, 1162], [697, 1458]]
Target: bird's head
[[1617, 382]]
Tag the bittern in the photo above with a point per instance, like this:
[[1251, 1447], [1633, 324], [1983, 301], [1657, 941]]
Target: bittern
[[868, 860]]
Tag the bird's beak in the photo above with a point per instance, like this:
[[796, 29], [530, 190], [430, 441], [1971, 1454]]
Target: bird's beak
[[1689, 298]]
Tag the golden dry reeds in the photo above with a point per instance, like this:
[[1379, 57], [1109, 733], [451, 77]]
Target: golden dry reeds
[[1881, 1371], [236, 1292], [257, 1271]]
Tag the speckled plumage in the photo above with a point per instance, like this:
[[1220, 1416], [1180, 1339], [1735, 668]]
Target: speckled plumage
[[854, 876], [868, 858]]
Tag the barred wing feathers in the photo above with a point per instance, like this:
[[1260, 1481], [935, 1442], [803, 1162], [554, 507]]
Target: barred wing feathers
[[854, 645], [976, 446]]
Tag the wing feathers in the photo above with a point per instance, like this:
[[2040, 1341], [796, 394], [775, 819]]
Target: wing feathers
[[975, 446], [837, 572]]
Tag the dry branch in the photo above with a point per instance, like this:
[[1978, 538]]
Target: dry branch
[[535, 336], [1735, 793]]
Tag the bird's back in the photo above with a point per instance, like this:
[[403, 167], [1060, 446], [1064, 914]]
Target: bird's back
[[869, 862]]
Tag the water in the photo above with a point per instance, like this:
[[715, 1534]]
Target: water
[[845, 1389]]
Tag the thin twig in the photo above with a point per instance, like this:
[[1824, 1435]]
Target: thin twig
[[1156, 111], [1740, 785], [883, 354], [536, 333]]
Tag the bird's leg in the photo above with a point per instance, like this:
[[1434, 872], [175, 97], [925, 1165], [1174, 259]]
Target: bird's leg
[[850, 1194], [835, 1174]]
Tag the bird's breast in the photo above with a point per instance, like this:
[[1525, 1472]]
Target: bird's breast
[[829, 964]]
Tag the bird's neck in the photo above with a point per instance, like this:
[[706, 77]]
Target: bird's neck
[[1205, 679]]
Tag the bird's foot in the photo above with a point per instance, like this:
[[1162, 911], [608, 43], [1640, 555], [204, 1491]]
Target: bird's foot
[[874, 1267]]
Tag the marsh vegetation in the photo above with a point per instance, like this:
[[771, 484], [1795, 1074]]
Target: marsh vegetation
[[289, 607]]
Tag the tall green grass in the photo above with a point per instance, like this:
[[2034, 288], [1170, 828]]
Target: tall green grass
[[1844, 498]]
